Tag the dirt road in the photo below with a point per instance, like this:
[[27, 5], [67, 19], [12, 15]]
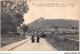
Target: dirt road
[[27, 45]]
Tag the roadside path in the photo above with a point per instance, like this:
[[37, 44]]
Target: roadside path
[[27, 45]]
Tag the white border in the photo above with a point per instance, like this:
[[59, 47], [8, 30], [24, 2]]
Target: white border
[[79, 25]]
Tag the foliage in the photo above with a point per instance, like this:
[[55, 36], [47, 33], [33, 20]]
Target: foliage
[[74, 27], [24, 28], [12, 12], [6, 24]]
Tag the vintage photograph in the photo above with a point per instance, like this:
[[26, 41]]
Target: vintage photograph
[[39, 25]]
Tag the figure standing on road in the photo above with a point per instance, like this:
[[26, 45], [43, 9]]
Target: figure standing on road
[[32, 38], [38, 39]]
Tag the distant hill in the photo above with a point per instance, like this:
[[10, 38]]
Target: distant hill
[[52, 23]]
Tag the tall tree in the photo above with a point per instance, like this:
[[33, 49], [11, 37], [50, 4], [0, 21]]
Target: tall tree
[[12, 12]]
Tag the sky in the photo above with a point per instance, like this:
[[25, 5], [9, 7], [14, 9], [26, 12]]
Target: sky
[[36, 10]]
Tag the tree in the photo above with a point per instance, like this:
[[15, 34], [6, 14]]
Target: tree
[[6, 24], [12, 12], [24, 28]]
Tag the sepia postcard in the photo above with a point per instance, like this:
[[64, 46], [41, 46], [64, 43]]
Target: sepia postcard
[[39, 25]]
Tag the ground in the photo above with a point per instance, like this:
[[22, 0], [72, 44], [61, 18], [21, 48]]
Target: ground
[[67, 42], [7, 39], [27, 45]]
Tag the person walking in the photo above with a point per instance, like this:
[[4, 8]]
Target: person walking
[[38, 39], [32, 39]]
